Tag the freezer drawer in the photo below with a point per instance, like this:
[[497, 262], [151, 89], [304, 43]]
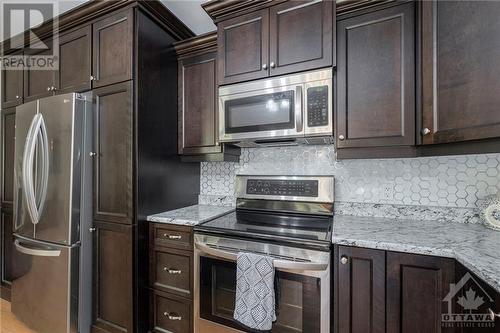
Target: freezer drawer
[[45, 286]]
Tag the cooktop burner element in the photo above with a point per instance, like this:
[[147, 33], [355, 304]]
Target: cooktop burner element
[[280, 209]]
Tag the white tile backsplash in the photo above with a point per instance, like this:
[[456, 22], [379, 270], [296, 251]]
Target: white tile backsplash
[[448, 181]]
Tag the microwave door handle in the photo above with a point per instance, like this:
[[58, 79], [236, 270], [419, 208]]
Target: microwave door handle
[[278, 263], [299, 109]]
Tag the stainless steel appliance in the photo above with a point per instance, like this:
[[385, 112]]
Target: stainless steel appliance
[[287, 110], [51, 288], [286, 217]]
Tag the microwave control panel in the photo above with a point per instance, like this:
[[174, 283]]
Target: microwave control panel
[[296, 188], [317, 106]]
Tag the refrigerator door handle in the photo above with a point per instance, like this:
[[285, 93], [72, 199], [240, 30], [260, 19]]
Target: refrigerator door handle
[[33, 251], [37, 137], [43, 177], [27, 168]]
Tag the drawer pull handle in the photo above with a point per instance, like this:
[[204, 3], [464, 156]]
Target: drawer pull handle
[[172, 270], [172, 316], [172, 236]]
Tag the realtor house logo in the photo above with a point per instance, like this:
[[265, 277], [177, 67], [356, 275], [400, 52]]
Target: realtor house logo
[[468, 305], [24, 45]]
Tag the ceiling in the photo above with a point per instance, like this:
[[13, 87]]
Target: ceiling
[[188, 11]]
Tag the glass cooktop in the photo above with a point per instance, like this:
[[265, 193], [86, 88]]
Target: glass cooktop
[[316, 229]]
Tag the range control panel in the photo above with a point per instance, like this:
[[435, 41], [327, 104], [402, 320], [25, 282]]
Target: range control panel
[[294, 188], [317, 106]]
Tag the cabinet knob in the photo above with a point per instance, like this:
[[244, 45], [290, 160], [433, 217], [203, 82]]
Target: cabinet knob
[[272, 64], [172, 270], [341, 137], [18, 97], [93, 78], [425, 131], [48, 88], [172, 316], [264, 67], [92, 154], [344, 260], [92, 229]]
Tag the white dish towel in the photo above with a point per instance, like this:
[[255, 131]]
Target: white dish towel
[[255, 305]]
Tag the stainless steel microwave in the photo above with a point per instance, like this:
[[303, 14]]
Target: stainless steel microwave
[[292, 109]]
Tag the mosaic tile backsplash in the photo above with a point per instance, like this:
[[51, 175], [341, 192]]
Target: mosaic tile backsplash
[[449, 181]]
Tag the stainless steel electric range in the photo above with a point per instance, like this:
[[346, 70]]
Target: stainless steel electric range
[[289, 218]]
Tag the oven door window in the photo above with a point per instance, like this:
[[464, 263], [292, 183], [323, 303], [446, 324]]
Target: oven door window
[[260, 113], [298, 298]]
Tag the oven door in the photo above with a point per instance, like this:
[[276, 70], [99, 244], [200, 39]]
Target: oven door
[[303, 291], [267, 114]]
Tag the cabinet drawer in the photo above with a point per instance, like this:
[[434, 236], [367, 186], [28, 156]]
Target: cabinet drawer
[[173, 272], [171, 314], [173, 236]]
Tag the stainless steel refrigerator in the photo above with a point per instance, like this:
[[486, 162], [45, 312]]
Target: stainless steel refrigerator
[[52, 288]]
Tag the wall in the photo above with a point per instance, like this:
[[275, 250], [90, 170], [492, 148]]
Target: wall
[[451, 181]]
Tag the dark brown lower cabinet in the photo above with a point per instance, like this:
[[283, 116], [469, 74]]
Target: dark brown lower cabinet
[[7, 243], [170, 313], [416, 287], [379, 291], [113, 289], [361, 290], [171, 278]]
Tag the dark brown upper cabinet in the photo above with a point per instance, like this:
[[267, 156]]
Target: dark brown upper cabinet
[[8, 123], [289, 37], [376, 79], [243, 47], [113, 119], [75, 55], [12, 87], [460, 71], [301, 36], [112, 49], [198, 116], [39, 83], [416, 287], [361, 290]]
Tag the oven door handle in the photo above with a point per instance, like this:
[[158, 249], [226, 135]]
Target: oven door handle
[[278, 263]]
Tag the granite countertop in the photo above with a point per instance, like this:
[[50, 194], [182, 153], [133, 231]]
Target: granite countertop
[[191, 215], [473, 245]]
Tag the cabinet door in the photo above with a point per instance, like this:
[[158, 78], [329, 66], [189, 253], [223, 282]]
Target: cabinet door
[[7, 243], [416, 287], [197, 107], [460, 71], [112, 271], [361, 290], [243, 47], [8, 123], [112, 51], [39, 83], [113, 112], [12, 87], [301, 36], [376, 79], [74, 61]]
